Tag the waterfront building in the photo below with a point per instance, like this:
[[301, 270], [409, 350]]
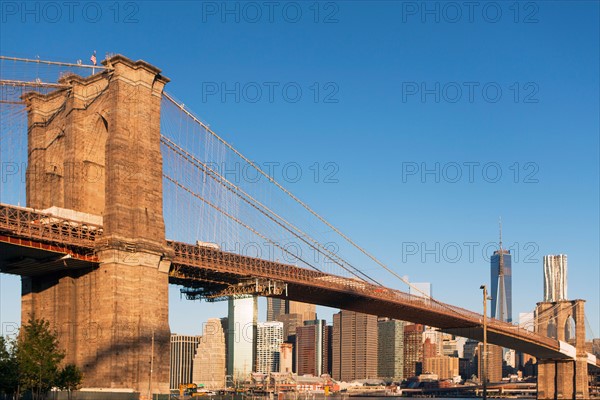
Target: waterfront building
[[313, 348], [183, 350], [390, 352], [467, 368], [354, 349], [413, 349], [210, 361], [494, 363], [443, 366]]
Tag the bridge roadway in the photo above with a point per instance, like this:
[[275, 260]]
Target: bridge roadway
[[34, 243]]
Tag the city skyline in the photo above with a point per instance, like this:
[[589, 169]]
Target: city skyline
[[451, 222]]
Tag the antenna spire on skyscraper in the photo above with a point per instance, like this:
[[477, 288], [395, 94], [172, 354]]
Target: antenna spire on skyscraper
[[500, 250], [500, 224], [501, 281]]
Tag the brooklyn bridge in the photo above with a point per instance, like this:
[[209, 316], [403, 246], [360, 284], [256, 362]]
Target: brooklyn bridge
[[124, 190]]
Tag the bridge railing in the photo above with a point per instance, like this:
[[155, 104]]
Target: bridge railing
[[208, 257], [27, 223]]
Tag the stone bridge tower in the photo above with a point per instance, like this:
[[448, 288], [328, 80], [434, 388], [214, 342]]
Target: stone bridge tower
[[94, 147], [563, 379]]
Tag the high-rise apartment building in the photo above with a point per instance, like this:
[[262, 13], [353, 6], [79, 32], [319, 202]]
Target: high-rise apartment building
[[269, 337], [183, 350], [210, 361], [390, 353], [494, 363], [354, 350], [443, 366], [313, 348], [413, 349], [241, 336], [555, 277]]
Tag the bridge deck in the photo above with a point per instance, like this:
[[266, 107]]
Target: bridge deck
[[36, 243]]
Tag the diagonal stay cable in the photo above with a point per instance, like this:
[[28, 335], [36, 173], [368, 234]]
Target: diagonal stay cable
[[236, 220], [244, 196], [303, 204]]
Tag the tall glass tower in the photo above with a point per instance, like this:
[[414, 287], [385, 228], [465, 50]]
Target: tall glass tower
[[501, 283], [555, 277], [241, 340]]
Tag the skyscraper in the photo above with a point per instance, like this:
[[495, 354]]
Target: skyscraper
[[555, 277], [501, 283], [241, 336], [493, 363], [210, 360], [291, 313], [269, 337], [277, 307], [183, 349], [354, 346], [313, 348], [290, 323], [390, 349], [413, 349], [469, 360]]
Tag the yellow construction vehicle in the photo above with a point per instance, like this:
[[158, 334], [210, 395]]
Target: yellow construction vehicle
[[187, 390]]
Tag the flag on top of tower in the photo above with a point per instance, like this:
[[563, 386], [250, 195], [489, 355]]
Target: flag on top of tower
[[93, 58]]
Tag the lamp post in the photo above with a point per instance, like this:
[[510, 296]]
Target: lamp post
[[484, 355]]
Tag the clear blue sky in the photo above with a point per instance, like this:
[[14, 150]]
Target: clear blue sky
[[372, 59]]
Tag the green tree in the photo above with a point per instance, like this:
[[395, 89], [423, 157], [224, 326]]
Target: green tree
[[69, 379], [9, 371], [38, 356]]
